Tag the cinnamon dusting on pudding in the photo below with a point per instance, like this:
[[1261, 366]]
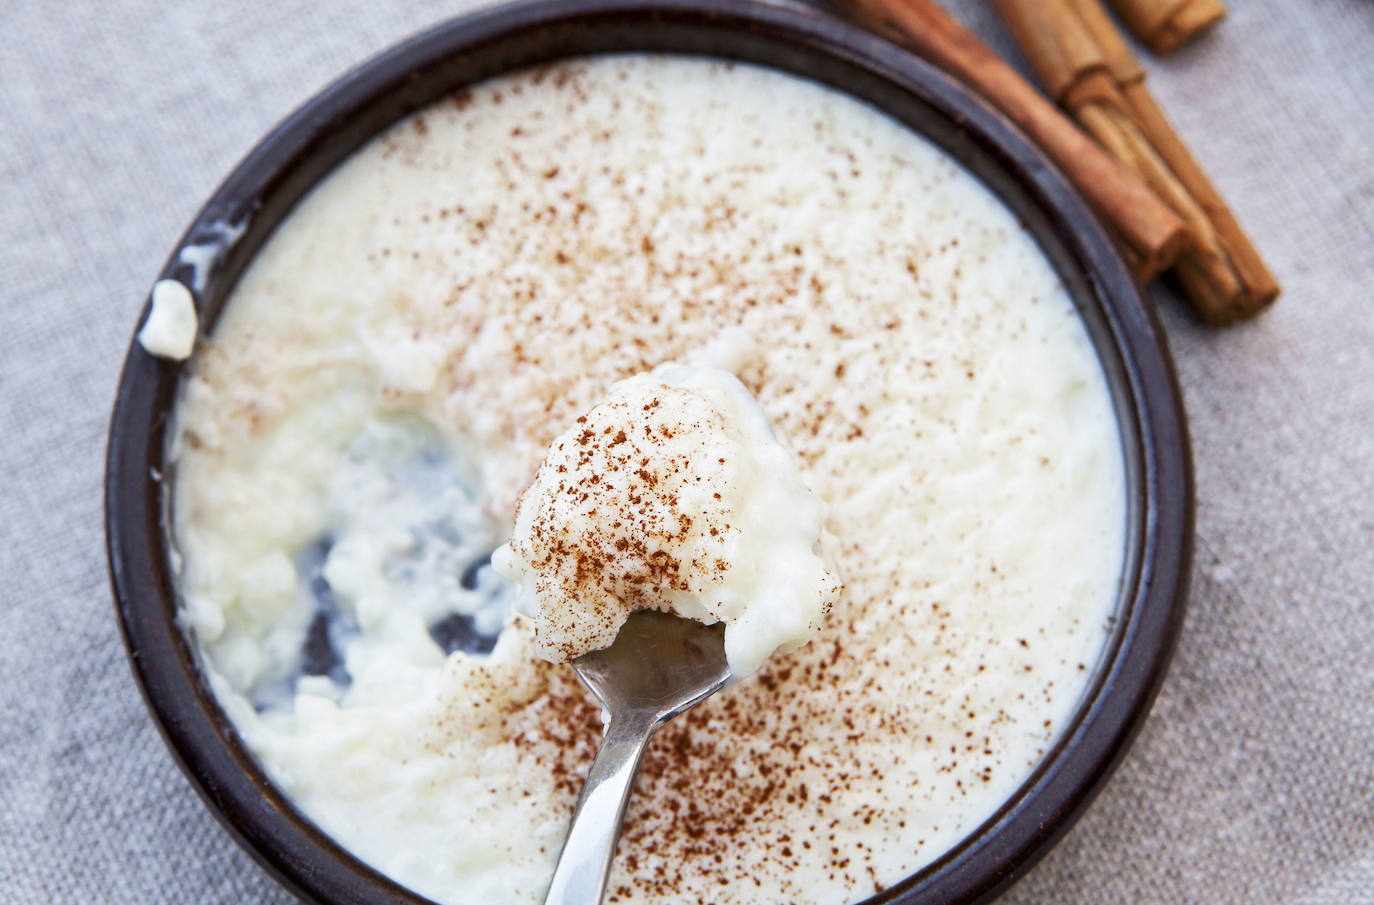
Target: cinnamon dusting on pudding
[[626, 488], [966, 451], [671, 494]]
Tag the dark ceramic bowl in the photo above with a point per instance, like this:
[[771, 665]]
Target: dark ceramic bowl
[[793, 39]]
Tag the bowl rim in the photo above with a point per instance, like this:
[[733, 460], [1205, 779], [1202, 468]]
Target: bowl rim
[[1150, 414]]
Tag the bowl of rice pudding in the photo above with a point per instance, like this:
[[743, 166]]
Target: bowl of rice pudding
[[436, 267]]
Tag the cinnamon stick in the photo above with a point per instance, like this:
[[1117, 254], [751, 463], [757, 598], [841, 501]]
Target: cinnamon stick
[[1203, 284], [1166, 25], [1150, 229], [1074, 71]]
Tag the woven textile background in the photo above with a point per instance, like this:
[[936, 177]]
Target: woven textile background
[[1252, 782]]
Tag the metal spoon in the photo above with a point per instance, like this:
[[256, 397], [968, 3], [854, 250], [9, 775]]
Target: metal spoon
[[659, 666]]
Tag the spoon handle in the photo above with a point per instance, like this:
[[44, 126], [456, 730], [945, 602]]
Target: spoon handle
[[585, 862]]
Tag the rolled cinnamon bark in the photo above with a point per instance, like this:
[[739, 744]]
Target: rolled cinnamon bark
[[1150, 230], [1205, 282], [1166, 25], [1073, 69], [1084, 64]]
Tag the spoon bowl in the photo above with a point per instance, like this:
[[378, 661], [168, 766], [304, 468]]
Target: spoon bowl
[[659, 665]]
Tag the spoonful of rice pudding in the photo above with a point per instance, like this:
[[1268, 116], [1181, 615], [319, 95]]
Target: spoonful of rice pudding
[[667, 546]]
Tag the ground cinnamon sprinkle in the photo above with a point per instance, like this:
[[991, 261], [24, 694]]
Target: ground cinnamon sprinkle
[[609, 533], [940, 396]]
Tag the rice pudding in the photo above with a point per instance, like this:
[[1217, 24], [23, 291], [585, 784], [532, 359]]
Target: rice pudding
[[355, 432], [670, 494]]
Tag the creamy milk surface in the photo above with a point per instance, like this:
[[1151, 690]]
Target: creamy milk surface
[[392, 369], [671, 494]]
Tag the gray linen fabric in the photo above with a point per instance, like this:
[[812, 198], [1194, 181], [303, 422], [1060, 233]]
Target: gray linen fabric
[[1253, 781]]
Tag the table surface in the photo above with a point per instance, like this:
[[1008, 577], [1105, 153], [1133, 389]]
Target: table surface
[[1253, 780]]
